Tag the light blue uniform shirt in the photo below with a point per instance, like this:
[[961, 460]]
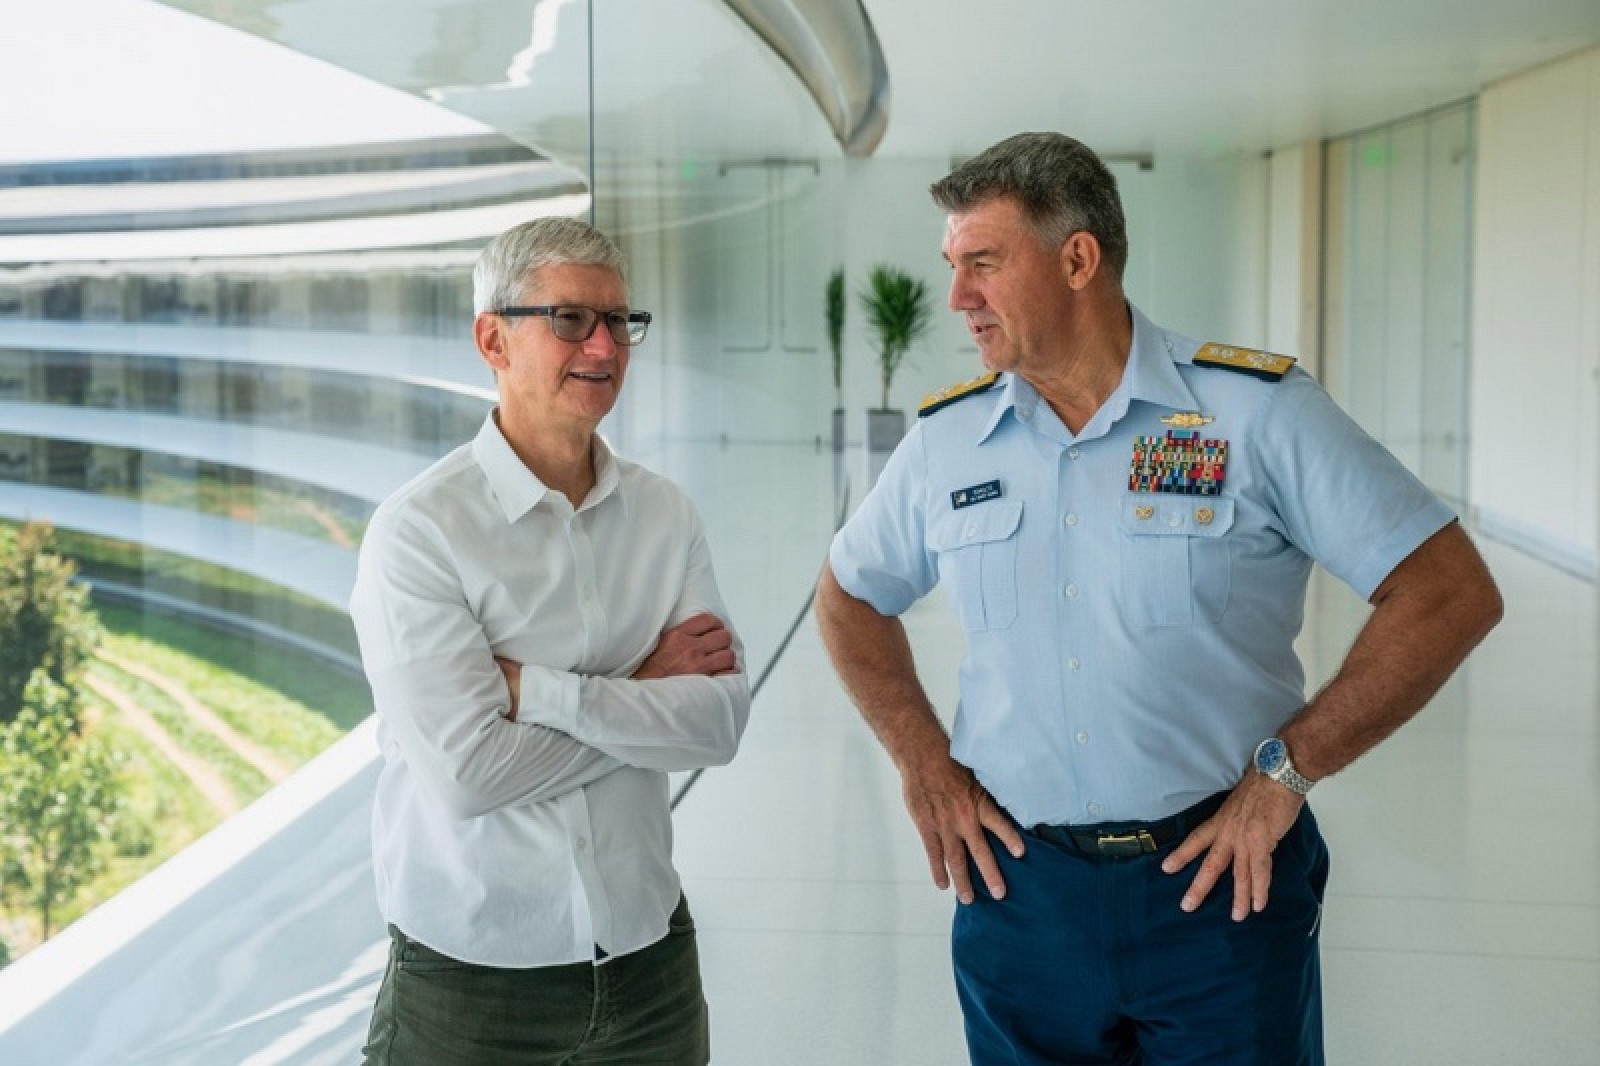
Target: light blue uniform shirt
[[1125, 658]]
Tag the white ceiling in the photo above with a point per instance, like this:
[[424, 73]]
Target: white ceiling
[[1207, 75], [683, 79]]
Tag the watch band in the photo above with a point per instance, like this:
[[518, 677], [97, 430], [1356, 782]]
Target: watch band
[[1292, 779]]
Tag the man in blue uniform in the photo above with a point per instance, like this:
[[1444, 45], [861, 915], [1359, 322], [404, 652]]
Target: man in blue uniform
[[1126, 521]]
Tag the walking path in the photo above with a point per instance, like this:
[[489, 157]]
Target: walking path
[[270, 766], [210, 783]]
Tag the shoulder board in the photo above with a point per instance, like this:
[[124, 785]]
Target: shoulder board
[[945, 397], [1263, 365]]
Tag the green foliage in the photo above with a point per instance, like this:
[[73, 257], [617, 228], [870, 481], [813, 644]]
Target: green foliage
[[899, 313], [5, 953], [45, 620], [60, 797], [835, 308], [133, 838]]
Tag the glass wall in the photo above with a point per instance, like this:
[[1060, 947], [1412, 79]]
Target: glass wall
[[1399, 215], [212, 368], [214, 365]]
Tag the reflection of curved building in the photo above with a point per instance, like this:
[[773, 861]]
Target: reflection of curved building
[[197, 337]]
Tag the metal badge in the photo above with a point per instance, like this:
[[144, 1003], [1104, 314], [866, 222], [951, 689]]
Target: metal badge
[[1144, 512], [989, 490], [1204, 516], [1187, 420]]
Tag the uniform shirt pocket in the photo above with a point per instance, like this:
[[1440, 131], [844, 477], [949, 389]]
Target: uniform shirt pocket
[[1176, 564], [977, 552]]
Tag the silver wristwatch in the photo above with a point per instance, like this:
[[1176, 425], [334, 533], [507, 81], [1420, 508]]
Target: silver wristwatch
[[1272, 759]]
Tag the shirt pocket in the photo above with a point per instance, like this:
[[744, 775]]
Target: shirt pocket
[[1176, 562], [977, 550]]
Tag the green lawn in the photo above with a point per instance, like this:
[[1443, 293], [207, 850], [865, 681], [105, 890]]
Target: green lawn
[[245, 781], [288, 703]]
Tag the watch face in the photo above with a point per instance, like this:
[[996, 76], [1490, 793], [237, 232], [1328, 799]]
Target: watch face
[[1271, 756]]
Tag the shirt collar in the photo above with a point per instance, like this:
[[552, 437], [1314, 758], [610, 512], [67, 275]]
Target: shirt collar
[[1152, 372], [1151, 375], [517, 489]]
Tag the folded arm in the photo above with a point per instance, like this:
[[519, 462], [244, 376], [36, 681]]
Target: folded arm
[[685, 706], [438, 691]]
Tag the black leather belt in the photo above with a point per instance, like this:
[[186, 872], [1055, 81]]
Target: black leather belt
[[1125, 839]]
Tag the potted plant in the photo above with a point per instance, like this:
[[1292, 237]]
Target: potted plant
[[897, 309], [835, 311]]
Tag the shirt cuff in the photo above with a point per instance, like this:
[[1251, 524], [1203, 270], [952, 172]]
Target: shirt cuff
[[550, 698], [1398, 546]]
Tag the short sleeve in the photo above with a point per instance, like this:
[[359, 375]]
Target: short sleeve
[[1344, 499], [880, 556]]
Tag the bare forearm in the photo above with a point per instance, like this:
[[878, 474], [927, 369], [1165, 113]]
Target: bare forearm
[[873, 659], [1429, 613]]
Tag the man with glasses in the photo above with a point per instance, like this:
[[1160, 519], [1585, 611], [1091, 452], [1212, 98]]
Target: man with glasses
[[545, 640], [1126, 521]]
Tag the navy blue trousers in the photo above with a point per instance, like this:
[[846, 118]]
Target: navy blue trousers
[[1090, 960]]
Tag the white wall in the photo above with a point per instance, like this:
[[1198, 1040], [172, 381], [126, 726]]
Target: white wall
[[1536, 316], [1205, 237], [1294, 252]]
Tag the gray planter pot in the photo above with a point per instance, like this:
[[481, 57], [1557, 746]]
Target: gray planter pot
[[838, 429], [884, 429]]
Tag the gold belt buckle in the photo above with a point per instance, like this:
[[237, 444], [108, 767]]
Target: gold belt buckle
[[1127, 843]]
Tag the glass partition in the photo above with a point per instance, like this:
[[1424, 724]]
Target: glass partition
[[1399, 211], [214, 363]]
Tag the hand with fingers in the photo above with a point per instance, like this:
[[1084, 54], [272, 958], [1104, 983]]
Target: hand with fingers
[[700, 644], [952, 812], [1242, 835]]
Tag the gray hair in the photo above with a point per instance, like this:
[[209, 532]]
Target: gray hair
[[508, 263], [1063, 188]]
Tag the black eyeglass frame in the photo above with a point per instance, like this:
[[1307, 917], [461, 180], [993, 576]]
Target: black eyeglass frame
[[614, 320]]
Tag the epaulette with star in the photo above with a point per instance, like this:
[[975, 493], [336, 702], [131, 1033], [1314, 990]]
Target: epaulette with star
[[1263, 365], [935, 401]]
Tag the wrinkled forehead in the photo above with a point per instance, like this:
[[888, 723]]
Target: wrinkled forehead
[[989, 227]]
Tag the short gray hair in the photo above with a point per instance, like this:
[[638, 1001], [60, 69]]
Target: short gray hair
[[1062, 185], [506, 266]]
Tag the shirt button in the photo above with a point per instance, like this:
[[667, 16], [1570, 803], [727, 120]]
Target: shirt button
[[1093, 807], [1083, 738], [1073, 453], [1073, 663], [971, 531], [1175, 521], [1071, 520], [582, 843], [1071, 592]]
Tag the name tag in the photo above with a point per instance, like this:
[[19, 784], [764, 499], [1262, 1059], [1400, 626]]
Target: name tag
[[989, 490]]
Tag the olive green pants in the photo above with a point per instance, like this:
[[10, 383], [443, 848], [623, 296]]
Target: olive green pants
[[646, 1007]]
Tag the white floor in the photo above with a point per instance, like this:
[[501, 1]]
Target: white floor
[[1463, 924]]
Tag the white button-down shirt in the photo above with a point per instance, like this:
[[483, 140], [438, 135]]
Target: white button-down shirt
[[530, 843]]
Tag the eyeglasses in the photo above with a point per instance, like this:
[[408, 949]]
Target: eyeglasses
[[577, 324]]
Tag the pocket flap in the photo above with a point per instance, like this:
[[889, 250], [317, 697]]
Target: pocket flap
[[1160, 514], [977, 524]]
